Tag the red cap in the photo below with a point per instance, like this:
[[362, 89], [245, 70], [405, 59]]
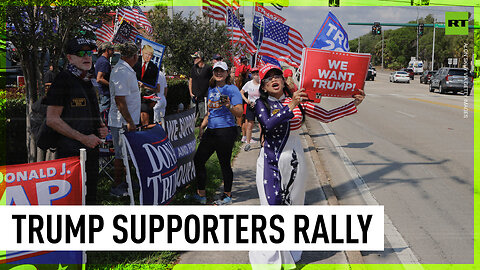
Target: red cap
[[287, 73], [267, 68], [255, 69]]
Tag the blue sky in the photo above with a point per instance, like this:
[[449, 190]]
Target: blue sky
[[307, 20]]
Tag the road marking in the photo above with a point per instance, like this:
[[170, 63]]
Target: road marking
[[443, 104], [400, 247], [407, 114]]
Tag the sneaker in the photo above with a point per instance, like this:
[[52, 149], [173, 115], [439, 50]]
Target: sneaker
[[119, 191], [244, 139], [197, 198], [247, 147], [224, 200]]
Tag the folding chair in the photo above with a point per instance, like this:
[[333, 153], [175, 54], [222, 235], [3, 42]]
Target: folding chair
[[106, 157]]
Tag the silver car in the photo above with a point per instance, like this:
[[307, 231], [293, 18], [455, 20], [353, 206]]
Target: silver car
[[399, 76], [451, 79]]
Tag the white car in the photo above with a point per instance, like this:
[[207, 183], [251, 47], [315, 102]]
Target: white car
[[399, 76]]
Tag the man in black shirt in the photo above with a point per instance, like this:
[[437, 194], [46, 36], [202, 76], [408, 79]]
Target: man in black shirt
[[73, 111], [49, 76], [103, 69], [198, 83]]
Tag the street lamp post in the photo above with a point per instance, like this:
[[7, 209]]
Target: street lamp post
[[382, 50], [433, 47]]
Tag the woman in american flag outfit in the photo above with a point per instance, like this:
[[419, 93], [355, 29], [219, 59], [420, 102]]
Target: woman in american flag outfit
[[281, 172]]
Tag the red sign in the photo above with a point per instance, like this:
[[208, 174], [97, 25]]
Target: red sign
[[56, 182], [332, 73], [269, 14]]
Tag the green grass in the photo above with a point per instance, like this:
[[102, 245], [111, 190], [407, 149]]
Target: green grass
[[150, 259]]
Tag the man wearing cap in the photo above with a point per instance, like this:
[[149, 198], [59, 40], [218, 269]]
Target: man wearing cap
[[73, 111], [102, 74], [200, 75], [241, 73], [216, 58], [125, 109]]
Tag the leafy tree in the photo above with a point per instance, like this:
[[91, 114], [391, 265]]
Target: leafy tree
[[36, 27], [183, 36]]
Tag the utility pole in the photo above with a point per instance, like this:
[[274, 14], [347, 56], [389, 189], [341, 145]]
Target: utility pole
[[358, 49], [382, 49], [433, 47]]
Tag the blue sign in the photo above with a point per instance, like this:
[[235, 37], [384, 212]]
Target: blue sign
[[156, 163], [331, 36]]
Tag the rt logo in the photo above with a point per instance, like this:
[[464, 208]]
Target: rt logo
[[456, 23]]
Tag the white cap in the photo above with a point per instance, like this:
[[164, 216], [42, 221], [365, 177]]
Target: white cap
[[221, 65]]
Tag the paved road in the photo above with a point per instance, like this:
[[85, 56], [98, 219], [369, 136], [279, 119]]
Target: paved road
[[414, 151]]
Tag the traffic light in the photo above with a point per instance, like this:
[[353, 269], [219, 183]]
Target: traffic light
[[420, 29], [241, 18], [379, 30], [374, 29]]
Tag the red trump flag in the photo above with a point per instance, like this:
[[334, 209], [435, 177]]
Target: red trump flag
[[332, 73]]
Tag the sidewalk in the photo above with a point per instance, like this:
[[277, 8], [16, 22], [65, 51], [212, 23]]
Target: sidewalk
[[245, 193]]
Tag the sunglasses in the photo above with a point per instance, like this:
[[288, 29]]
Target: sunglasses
[[269, 79], [83, 53]]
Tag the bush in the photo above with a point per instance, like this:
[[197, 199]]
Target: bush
[[177, 93], [12, 130]]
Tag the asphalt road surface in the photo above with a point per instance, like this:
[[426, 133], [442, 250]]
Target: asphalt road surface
[[411, 151]]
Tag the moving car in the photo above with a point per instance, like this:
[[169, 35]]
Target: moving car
[[410, 72], [451, 79], [371, 74], [399, 76], [426, 75]]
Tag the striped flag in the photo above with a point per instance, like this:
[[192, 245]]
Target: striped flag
[[136, 15], [217, 9], [104, 33], [237, 33], [281, 42]]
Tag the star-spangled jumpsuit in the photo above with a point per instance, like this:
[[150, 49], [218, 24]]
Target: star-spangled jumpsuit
[[281, 172]]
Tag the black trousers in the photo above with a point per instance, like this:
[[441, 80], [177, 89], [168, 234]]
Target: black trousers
[[221, 141], [91, 168]]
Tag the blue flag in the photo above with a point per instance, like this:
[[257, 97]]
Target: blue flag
[[257, 32], [331, 36]]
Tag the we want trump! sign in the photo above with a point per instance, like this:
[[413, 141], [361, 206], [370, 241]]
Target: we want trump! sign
[[332, 73]]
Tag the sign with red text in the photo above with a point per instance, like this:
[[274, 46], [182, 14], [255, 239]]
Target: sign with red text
[[56, 182], [332, 73]]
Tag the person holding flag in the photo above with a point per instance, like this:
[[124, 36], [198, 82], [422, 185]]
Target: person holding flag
[[281, 165]]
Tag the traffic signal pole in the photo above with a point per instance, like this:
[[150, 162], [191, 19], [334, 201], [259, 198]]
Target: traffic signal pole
[[382, 50], [433, 47]]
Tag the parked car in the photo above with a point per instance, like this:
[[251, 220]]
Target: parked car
[[451, 79], [426, 75], [399, 76], [410, 72], [371, 74]]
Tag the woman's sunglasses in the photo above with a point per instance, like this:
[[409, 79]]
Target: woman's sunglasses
[[276, 76], [82, 53]]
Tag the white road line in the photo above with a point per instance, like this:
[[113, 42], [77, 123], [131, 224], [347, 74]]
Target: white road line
[[407, 114], [401, 248]]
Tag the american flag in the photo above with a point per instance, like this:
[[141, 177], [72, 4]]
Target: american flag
[[217, 9], [237, 33], [136, 15], [104, 33], [281, 42]]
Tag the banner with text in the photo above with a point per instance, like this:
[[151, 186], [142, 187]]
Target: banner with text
[[332, 73], [156, 164], [56, 182], [180, 129]]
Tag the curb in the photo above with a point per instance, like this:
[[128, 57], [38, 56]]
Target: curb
[[353, 257]]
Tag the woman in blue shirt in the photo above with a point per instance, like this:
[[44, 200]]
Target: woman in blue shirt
[[224, 104]]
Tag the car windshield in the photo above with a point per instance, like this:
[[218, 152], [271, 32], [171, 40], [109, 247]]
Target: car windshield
[[456, 72]]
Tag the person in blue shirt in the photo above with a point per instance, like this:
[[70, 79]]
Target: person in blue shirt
[[224, 103]]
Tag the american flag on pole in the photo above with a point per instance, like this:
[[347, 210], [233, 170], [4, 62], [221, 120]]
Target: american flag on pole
[[104, 33], [237, 33], [136, 15], [217, 9], [281, 42]]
